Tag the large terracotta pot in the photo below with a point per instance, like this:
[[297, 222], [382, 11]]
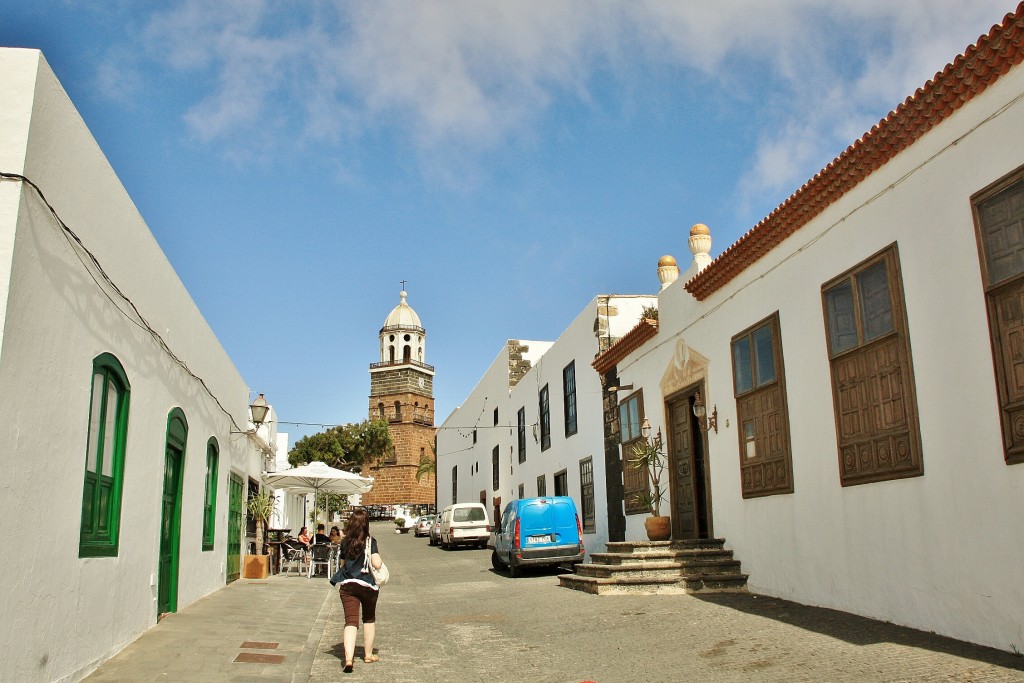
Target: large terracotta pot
[[658, 528], [256, 566]]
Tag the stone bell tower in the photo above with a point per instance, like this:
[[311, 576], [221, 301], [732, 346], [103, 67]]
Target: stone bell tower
[[402, 392]]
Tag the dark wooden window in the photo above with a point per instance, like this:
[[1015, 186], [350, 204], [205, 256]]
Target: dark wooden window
[[542, 486], [522, 434], [495, 416], [766, 466], [872, 372], [999, 220], [545, 419], [253, 490], [455, 484], [569, 397], [494, 469], [635, 480], [561, 483], [589, 517], [522, 492]]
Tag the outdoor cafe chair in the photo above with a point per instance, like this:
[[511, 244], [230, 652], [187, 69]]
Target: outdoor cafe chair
[[320, 554], [293, 555]]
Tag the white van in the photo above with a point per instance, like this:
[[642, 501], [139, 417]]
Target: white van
[[465, 524]]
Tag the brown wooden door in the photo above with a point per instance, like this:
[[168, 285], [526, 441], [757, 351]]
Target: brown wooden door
[[688, 485]]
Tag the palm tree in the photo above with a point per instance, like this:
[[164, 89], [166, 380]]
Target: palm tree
[[428, 465]]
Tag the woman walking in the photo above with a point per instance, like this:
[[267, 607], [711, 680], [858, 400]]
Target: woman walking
[[358, 587]]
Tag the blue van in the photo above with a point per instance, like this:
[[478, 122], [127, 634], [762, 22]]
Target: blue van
[[537, 532]]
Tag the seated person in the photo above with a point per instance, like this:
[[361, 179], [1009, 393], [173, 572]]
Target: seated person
[[321, 537], [304, 536], [335, 535]]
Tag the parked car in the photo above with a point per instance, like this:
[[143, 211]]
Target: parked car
[[423, 525], [434, 536], [537, 532], [464, 524]]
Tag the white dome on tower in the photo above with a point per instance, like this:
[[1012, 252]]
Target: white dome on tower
[[402, 339], [402, 315]]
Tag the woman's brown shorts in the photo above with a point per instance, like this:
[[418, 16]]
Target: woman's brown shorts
[[352, 596]]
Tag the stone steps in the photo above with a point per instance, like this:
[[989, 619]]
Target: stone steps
[[649, 567]]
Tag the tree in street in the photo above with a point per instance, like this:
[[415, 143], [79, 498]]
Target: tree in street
[[345, 446]]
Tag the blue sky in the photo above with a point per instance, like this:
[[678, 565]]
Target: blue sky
[[510, 160]]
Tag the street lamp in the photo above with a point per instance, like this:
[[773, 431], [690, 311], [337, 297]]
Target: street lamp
[[259, 410], [700, 411]]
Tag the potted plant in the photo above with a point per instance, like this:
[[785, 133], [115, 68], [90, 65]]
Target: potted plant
[[648, 454], [260, 508]]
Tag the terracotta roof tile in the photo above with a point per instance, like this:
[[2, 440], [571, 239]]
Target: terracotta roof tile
[[633, 340], [968, 75]]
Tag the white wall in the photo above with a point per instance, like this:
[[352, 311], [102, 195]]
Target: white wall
[[940, 552], [455, 443], [65, 614], [288, 507]]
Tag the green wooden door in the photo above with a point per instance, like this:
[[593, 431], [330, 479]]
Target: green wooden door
[[235, 519], [170, 513]]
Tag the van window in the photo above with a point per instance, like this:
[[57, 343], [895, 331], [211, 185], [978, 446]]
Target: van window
[[473, 514]]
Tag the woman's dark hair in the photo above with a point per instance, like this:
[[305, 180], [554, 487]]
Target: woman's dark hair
[[356, 532]]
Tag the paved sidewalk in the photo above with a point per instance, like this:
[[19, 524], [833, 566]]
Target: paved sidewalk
[[203, 641]]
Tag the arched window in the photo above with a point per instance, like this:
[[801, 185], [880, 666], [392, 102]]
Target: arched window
[[391, 354], [380, 410], [104, 458], [210, 500], [406, 353], [398, 410]]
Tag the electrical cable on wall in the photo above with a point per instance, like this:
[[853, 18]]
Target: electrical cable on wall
[[73, 240]]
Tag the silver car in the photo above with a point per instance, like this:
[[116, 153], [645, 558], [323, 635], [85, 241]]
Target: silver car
[[435, 530], [422, 527]]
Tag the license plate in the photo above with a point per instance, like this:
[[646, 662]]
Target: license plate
[[538, 539]]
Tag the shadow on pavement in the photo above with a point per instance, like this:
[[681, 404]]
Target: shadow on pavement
[[857, 630]]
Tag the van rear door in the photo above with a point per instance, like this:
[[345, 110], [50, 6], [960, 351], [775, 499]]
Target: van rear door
[[548, 521]]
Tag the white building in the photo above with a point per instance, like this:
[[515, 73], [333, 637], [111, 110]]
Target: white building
[[121, 409], [534, 423], [289, 507], [860, 349]]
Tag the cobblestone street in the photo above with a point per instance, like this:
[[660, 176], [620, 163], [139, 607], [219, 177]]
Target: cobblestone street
[[446, 616]]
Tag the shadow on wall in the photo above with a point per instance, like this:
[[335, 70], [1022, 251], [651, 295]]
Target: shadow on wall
[[65, 266]]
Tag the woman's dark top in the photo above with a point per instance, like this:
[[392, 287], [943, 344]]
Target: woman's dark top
[[352, 570]]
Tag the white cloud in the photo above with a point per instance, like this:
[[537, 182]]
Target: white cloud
[[452, 79], [117, 79]]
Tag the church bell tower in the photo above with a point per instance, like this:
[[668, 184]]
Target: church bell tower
[[402, 393]]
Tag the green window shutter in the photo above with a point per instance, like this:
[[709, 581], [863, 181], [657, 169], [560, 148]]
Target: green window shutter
[[104, 463], [210, 503]]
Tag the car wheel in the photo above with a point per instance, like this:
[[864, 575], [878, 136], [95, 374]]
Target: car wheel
[[431, 541], [495, 562], [482, 545], [513, 570]]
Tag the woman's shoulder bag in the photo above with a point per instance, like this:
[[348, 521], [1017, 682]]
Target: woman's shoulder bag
[[382, 575]]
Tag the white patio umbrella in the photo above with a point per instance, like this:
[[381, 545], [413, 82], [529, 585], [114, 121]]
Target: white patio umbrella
[[317, 477]]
